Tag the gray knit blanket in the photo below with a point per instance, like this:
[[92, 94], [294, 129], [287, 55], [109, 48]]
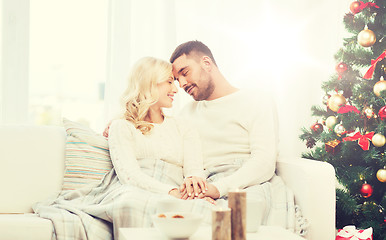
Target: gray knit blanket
[[97, 212]]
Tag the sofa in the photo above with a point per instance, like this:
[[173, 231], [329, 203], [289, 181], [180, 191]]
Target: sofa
[[32, 169]]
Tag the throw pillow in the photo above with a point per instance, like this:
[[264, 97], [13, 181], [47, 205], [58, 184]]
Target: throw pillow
[[87, 158]]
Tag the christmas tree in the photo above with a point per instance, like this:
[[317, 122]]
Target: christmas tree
[[350, 128]]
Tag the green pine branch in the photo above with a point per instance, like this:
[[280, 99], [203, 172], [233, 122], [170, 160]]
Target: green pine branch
[[371, 156], [346, 208], [318, 111], [354, 55]]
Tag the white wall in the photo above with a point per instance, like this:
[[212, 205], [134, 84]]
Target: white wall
[[287, 46], [14, 61]]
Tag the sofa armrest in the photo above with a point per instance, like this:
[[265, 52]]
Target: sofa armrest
[[313, 184], [32, 165]]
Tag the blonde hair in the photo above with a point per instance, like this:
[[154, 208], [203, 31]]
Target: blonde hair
[[142, 91]]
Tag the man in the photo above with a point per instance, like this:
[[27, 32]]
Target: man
[[237, 128]]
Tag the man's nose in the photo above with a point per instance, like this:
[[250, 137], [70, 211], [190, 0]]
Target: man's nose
[[182, 82]]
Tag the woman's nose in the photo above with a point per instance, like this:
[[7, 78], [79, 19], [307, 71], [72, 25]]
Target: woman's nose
[[174, 89]]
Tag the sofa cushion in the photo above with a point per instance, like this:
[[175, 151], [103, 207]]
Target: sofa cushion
[[24, 226], [87, 158]]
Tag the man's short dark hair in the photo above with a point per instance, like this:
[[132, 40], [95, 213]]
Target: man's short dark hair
[[192, 47]]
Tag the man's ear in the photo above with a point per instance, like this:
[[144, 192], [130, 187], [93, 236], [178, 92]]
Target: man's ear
[[206, 63]]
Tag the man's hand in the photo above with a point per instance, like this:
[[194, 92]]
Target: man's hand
[[106, 131], [211, 200], [192, 187], [212, 192], [175, 193]]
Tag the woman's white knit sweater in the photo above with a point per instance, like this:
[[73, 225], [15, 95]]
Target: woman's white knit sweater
[[173, 141]]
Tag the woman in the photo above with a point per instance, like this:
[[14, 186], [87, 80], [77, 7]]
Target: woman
[[145, 136]]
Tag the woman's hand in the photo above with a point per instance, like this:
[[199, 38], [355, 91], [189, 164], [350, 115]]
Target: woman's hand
[[192, 187], [211, 192]]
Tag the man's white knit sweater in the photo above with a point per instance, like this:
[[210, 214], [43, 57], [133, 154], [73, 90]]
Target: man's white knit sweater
[[241, 125]]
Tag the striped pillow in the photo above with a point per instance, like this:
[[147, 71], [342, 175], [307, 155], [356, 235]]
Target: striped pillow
[[87, 157]]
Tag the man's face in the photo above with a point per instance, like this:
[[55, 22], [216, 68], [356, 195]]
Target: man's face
[[192, 77]]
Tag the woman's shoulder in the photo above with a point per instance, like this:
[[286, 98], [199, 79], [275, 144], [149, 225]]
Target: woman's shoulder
[[121, 124]]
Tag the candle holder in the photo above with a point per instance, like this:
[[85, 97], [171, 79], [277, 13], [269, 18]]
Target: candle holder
[[221, 224], [237, 203]]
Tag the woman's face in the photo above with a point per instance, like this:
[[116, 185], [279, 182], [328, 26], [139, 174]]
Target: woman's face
[[166, 90]]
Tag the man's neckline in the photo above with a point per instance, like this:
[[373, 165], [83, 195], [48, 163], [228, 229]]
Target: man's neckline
[[222, 98]]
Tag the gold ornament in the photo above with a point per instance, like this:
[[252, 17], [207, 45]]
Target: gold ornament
[[381, 175], [366, 38], [379, 86], [336, 101], [378, 140], [331, 121]]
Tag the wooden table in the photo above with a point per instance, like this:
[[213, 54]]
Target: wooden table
[[205, 233]]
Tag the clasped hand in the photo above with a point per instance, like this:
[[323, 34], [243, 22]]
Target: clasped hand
[[196, 187]]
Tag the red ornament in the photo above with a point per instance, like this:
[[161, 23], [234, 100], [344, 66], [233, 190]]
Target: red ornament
[[355, 7], [341, 68], [317, 128], [382, 113], [366, 190]]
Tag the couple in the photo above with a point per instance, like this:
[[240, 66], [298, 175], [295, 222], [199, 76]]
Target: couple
[[228, 141], [234, 129], [236, 144]]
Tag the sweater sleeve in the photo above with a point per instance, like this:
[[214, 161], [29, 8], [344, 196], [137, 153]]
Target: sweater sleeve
[[263, 140], [121, 145], [192, 151]]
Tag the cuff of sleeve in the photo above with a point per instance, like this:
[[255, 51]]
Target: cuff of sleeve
[[196, 174]]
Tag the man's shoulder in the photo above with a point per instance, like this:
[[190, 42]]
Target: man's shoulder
[[256, 93], [255, 102], [254, 97]]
